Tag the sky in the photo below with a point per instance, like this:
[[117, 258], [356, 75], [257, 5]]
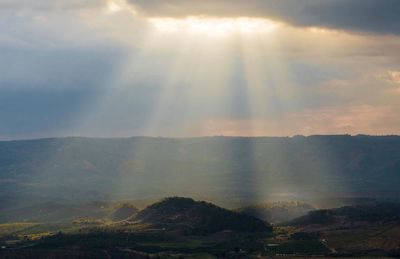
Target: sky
[[184, 68]]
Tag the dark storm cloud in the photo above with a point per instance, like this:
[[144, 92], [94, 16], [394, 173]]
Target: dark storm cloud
[[375, 16]]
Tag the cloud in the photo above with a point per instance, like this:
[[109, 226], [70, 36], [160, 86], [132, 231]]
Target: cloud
[[374, 16], [49, 4]]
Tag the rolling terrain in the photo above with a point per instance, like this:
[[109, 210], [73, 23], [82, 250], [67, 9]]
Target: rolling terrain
[[172, 226], [182, 227], [354, 230]]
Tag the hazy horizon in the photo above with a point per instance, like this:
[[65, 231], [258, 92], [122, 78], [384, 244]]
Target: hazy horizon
[[194, 137]]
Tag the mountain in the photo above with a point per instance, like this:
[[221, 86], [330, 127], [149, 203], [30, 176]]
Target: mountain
[[198, 217], [276, 212], [226, 168]]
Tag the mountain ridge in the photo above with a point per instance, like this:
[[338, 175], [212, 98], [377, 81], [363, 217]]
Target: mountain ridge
[[247, 168]]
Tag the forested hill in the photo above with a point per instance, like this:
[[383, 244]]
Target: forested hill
[[140, 167]]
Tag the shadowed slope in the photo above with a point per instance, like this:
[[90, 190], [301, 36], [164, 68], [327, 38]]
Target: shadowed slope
[[124, 211], [277, 211]]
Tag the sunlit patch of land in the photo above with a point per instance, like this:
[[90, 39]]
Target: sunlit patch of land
[[12, 228]]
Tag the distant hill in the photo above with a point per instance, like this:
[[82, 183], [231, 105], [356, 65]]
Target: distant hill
[[354, 230], [350, 215], [225, 168], [276, 212], [198, 217]]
